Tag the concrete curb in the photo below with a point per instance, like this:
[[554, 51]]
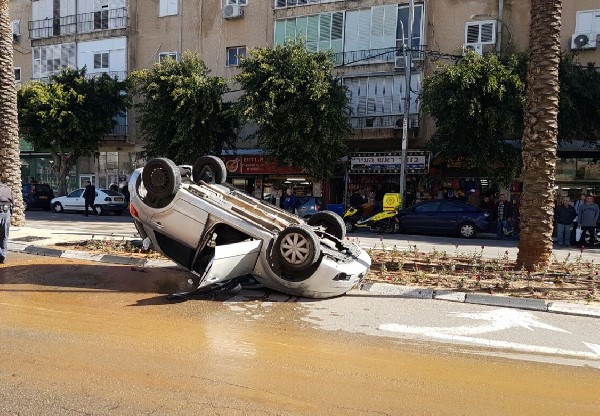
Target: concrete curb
[[565, 308], [383, 289]]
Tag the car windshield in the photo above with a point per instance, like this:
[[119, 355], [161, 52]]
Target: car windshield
[[111, 192]]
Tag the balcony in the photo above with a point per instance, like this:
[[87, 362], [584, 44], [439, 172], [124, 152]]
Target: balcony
[[119, 130], [78, 23], [119, 75], [374, 56], [280, 4], [393, 121]]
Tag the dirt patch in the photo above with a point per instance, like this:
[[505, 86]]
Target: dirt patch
[[114, 247]]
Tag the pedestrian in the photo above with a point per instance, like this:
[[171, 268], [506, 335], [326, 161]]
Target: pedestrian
[[564, 216], [487, 204], [89, 195], [588, 216], [289, 201], [6, 204], [114, 187], [503, 211], [473, 199]]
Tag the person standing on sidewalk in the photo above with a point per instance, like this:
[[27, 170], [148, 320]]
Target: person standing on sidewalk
[[503, 211], [289, 202], [588, 216], [564, 216], [89, 195], [6, 203]]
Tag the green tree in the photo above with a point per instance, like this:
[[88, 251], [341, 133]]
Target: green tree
[[70, 116], [181, 111], [540, 135], [10, 163], [477, 105], [301, 111]]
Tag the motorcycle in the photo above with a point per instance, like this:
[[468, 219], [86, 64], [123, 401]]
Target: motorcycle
[[385, 221]]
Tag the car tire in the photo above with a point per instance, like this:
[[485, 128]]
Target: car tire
[[350, 226], [58, 208], [98, 210], [209, 169], [297, 248], [332, 222], [387, 226], [467, 230], [161, 178]]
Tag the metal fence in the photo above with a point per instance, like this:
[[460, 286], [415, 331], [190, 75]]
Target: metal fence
[[78, 23]]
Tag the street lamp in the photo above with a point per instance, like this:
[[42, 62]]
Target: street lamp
[[407, 74]]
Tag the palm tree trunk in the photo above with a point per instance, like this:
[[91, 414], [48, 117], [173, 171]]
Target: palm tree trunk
[[540, 136], [10, 162]]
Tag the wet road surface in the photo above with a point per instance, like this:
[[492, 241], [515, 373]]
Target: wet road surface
[[87, 338]]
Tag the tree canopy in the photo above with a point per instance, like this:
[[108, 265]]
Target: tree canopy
[[477, 105], [181, 112], [301, 111], [70, 116]]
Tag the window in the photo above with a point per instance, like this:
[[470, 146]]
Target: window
[[234, 54], [417, 32], [427, 207], [321, 32], [17, 71], [588, 21], [47, 60], [101, 60], [240, 2], [167, 55], [101, 18], [481, 32], [167, 8]]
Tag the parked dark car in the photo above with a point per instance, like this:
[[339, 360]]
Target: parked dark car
[[307, 206], [444, 217], [37, 195]]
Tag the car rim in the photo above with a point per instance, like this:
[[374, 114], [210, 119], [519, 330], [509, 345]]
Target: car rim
[[160, 178], [207, 174], [348, 227], [467, 230], [295, 248]]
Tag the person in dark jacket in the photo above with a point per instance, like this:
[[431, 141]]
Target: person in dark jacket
[[588, 217], [564, 215], [289, 201], [6, 205], [503, 211], [89, 195]]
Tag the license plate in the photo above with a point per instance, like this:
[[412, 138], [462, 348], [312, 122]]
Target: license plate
[[118, 199], [43, 197]]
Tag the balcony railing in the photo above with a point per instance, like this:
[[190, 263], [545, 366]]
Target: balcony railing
[[392, 121], [119, 130], [119, 75], [78, 23], [375, 56], [279, 4]]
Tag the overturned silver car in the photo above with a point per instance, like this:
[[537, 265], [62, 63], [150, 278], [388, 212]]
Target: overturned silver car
[[191, 215]]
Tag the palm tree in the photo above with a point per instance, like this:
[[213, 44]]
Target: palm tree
[[10, 162], [540, 136]]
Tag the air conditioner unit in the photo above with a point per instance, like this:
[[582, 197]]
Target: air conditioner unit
[[399, 62], [232, 11], [583, 41], [475, 47]]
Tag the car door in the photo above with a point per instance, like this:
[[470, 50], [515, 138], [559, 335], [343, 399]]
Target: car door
[[421, 218], [449, 216], [74, 201]]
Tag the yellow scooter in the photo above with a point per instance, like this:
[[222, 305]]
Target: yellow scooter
[[385, 221]]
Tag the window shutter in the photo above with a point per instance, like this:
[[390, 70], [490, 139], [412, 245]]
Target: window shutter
[[312, 33], [364, 30], [163, 8], [389, 26], [585, 21], [337, 31], [301, 23], [324, 31], [172, 7], [351, 31], [279, 32], [377, 16], [290, 29], [488, 33], [472, 33]]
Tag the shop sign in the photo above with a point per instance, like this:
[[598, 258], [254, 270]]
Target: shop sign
[[255, 165], [389, 162]]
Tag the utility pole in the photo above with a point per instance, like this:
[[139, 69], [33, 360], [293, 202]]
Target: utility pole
[[407, 74]]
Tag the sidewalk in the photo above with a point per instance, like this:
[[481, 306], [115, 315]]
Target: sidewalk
[[33, 240]]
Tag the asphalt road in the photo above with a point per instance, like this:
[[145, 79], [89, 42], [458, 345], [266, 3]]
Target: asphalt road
[[80, 337]]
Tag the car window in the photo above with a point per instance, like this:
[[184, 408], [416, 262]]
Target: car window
[[42, 189], [111, 192], [75, 194], [427, 207]]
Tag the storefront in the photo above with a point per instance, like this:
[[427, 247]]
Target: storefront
[[260, 176], [377, 173], [578, 175]]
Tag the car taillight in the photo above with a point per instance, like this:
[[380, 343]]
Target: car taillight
[[107, 199], [133, 211]]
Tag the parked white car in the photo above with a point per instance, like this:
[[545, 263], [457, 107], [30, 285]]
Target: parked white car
[[106, 201], [219, 234]]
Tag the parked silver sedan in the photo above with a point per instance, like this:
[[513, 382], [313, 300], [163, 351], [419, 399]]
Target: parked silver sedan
[[191, 215]]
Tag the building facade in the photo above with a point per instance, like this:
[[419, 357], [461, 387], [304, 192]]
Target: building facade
[[368, 38]]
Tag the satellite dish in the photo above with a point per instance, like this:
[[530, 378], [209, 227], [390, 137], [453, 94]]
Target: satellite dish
[[581, 40]]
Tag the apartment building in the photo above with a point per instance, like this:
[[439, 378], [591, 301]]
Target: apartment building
[[367, 38]]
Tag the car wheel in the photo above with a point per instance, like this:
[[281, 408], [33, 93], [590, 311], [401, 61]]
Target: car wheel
[[161, 178], [332, 222], [58, 207], [98, 210], [350, 226], [387, 226], [297, 248], [467, 230], [119, 212], [209, 169]]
